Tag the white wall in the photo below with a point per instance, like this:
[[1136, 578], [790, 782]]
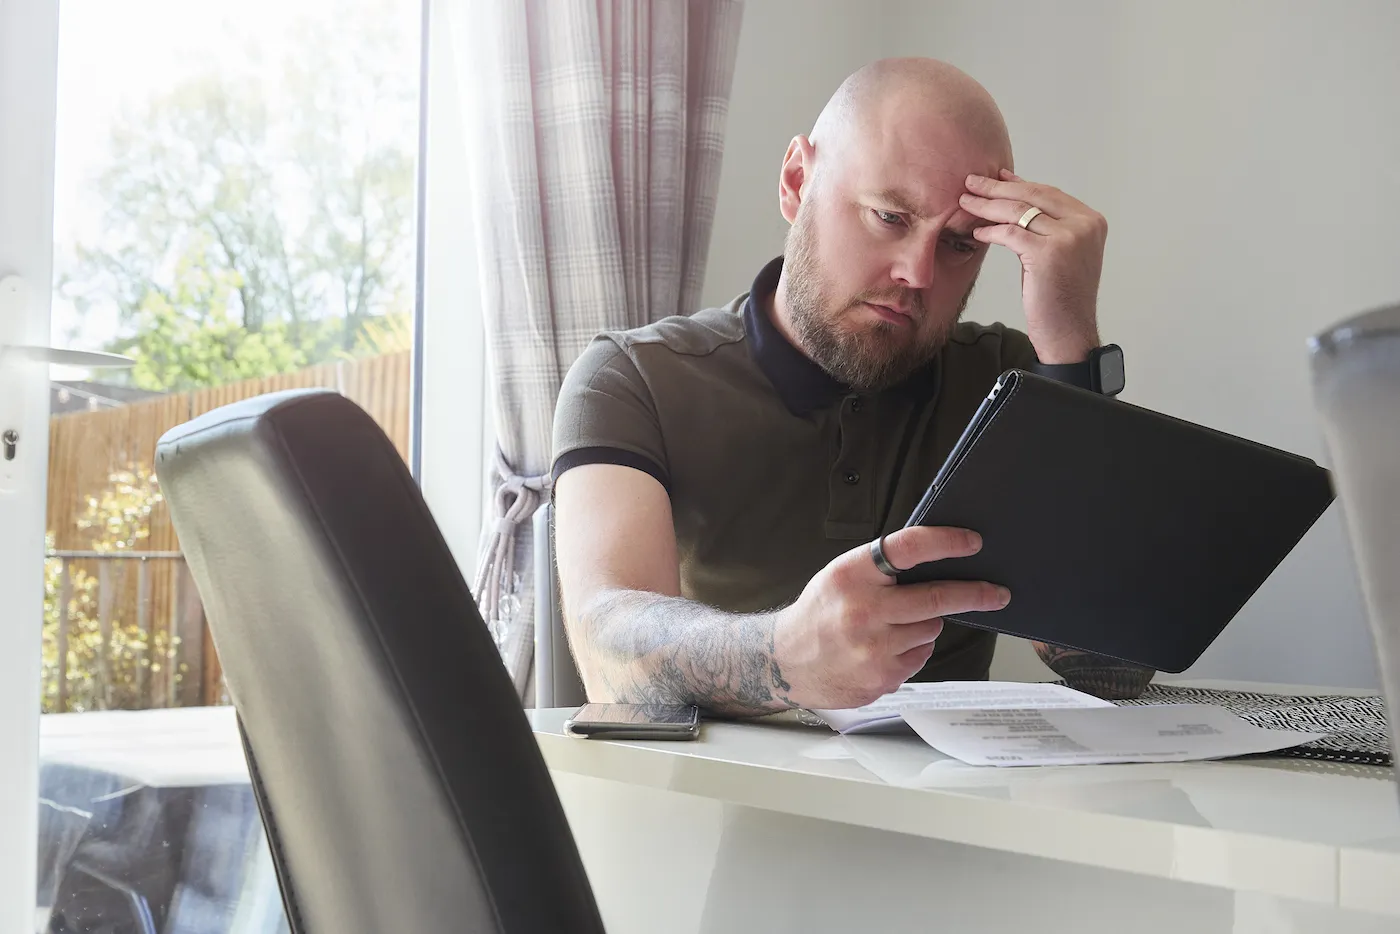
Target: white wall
[[792, 55], [1247, 156]]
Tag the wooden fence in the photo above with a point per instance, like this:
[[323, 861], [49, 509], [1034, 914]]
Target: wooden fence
[[87, 450], [97, 658]]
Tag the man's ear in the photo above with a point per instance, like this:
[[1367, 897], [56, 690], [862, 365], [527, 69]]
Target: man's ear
[[796, 176]]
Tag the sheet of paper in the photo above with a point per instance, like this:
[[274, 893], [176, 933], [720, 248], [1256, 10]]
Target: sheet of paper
[[1159, 733], [885, 713]]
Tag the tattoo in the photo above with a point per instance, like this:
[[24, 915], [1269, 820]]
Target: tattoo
[[1107, 678], [646, 648]]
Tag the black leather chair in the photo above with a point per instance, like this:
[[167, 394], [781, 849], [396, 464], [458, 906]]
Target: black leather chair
[[395, 771]]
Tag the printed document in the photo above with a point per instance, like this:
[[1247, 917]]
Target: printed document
[[885, 714], [1084, 736]]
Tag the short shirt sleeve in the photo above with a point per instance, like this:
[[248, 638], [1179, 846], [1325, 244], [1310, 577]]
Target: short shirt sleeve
[[1016, 351], [606, 415]]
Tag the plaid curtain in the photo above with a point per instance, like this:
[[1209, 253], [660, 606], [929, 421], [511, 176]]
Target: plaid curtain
[[595, 131]]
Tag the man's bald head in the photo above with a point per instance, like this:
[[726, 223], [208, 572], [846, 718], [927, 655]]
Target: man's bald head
[[880, 259], [881, 95]]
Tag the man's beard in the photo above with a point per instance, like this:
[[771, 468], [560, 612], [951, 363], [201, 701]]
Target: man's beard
[[869, 358]]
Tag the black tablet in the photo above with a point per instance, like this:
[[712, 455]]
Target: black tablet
[[1119, 530]]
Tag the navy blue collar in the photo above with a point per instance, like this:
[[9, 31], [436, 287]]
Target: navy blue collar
[[804, 386]]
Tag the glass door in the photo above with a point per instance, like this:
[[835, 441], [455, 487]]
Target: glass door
[[234, 212]]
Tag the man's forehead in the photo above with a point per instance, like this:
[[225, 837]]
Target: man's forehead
[[928, 178], [933, 138], [935, 198], [893, 199], [923, 197]]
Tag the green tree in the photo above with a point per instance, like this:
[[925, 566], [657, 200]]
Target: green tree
[[190, 337], [257, 222]]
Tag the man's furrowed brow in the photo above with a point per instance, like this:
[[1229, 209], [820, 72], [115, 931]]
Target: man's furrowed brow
[[899, 201]]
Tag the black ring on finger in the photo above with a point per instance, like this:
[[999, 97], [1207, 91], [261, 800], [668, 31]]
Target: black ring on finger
[[877, 554]]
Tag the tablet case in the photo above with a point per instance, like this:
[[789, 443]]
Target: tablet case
[[1120, 531]]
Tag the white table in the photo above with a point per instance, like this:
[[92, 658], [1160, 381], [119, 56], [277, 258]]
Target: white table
[[776, 827], [164, 748], [154, 803]]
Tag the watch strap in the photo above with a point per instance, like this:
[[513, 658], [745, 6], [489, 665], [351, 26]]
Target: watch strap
[[1091, 373], [1076, 374]]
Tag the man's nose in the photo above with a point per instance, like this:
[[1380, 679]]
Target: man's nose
[[915, 265]]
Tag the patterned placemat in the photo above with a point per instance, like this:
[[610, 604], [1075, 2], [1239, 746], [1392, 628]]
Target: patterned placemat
[[1356, 725]]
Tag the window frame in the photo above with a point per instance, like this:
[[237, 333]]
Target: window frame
[[28, 123], [454, 423]]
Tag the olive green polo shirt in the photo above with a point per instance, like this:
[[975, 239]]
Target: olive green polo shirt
[[773, 467]]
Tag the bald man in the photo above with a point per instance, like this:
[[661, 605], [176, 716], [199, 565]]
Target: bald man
[[719, 476]]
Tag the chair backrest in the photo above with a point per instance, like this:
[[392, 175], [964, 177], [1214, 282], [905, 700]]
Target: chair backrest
[[396, 773], [1356, 386], [557, 681]]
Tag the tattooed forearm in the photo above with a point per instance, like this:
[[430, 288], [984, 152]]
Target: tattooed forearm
[[1103, 677], [644, 648]]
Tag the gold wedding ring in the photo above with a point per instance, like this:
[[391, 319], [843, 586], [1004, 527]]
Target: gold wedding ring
[[1026, 218]]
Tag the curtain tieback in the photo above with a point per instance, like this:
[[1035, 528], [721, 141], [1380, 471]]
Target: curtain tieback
[[517, 499], [518, 496]]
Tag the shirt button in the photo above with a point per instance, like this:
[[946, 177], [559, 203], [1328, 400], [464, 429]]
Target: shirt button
[[857, 405], [852, 477]]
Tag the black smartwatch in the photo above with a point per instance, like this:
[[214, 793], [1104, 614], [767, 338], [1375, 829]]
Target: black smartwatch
[[1102, 372]]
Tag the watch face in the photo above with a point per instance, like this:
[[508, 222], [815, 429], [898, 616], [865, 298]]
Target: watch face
[[1111, 370]]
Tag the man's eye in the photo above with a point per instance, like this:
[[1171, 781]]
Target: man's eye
[[961, 246], [889, 218]]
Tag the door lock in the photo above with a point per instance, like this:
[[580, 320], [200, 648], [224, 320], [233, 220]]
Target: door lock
[[10, 438]]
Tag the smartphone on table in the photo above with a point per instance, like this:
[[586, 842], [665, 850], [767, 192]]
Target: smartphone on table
[[635, 721]]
